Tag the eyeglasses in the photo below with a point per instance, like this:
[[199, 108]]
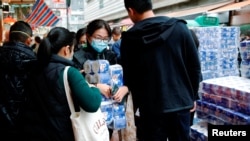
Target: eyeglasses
[[98, 39]]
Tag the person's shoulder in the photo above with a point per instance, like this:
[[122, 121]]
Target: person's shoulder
[[117, 43], [172, 20], [8, 46], [74, 74], [179, 23], [73, 70]]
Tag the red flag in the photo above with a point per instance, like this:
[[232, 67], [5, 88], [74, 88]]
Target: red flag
[[42, 15]]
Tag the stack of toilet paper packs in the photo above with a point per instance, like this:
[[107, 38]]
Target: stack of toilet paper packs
[[224, 101], [100, 71], [245, 56]]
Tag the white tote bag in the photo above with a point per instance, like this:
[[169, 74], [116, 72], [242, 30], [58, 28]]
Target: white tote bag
[[86, 126]]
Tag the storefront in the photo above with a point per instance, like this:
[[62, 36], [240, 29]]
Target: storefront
[[8, 15]]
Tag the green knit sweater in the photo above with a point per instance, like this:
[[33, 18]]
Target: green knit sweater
[[89, 98]]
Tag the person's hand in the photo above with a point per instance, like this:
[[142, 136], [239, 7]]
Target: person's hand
[[121, 92], [105, 89], [82, 71], [194, 108]]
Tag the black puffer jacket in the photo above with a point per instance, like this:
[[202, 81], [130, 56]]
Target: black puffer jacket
[[16, 60]]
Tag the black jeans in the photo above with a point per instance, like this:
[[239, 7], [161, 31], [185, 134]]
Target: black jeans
[[174, 126], [110, 133]]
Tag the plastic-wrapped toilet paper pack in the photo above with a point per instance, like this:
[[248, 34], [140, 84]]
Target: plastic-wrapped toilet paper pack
[[234, 87], [245, 56], [96, 66], [218, 51], [219, 115], [116, 74], [103, 78]]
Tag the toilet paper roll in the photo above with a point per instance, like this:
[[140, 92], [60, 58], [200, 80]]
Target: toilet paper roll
[[100, 66], [103, 78], [87, 66], [116, 74]]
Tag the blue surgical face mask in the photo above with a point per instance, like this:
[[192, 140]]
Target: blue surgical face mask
[[98, 46]]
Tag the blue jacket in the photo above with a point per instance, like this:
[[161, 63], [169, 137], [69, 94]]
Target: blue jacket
[[116, 47], [161, 65]]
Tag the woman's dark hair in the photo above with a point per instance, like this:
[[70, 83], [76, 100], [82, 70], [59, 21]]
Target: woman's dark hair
[[57, 38], [79, 34], [38, 39], [97, 24]]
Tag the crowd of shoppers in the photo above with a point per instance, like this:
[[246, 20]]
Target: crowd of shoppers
[[160, 51]]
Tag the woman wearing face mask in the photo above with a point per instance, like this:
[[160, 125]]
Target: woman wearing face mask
[[98, 35], [81, 38], [81, 43], [48, 118]]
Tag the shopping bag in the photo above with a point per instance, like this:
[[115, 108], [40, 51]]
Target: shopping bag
[[89, 126], [86, 126], [129, 133]]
